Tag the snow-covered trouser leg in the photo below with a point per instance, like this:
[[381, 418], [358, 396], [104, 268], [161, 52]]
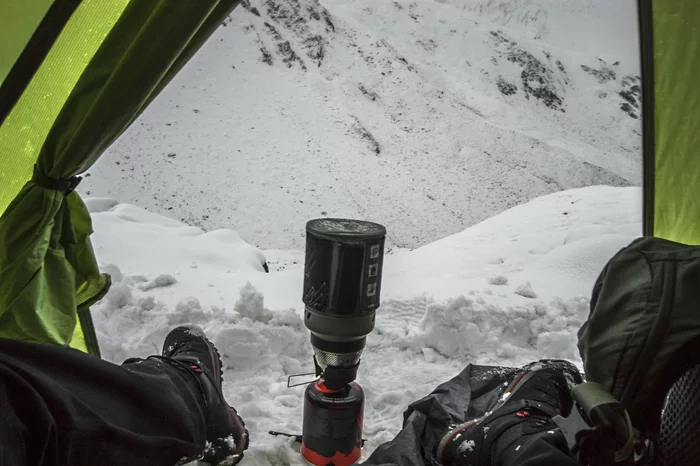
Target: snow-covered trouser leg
[[458, 425], [59, 406], [518, 429]]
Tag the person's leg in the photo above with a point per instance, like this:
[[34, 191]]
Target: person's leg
[[59, 406], [518, 433], [519, 429]]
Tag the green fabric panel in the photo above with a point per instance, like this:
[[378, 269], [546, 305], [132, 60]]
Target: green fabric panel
[[78, 340], [30, 235], [18, 20], [26, 127], [48, 271], [45, 239], [677, 120]]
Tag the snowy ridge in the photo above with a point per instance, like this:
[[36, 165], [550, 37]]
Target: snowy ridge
[[506, 291], [542, 20], [425, 116]]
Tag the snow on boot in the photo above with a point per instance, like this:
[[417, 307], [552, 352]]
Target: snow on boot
[[536, 394], [226, 434]]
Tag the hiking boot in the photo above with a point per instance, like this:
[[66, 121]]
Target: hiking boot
[[538, 392], [226, 434]]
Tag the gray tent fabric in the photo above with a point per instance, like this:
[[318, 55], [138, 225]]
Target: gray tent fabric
[[467, 396]]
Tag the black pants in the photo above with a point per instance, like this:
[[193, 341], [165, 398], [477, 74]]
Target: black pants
[[539, 450], [59, 406]]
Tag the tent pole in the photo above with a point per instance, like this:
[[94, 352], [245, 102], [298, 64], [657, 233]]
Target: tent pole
[[646, 47]]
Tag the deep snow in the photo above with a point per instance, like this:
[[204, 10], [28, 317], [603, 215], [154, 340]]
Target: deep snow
[[427, 116], [506, 291]]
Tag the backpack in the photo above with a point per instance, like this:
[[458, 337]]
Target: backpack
[[643, 331]]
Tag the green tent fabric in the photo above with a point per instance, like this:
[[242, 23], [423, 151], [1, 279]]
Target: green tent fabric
[[18, 21], [670, 41], [107, 63]]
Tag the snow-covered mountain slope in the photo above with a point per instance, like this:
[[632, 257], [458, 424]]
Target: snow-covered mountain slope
[[506, 291], [426, 116]]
